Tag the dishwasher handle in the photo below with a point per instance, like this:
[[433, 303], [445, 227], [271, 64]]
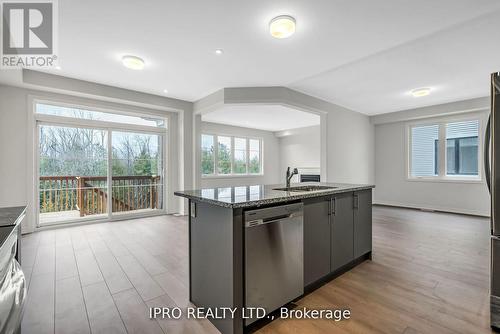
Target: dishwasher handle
[[275, 219]]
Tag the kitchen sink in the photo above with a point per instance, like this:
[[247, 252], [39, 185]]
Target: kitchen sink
[[305, 188]]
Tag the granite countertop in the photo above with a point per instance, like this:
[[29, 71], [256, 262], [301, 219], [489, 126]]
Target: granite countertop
[[256, 195], [9, 218]]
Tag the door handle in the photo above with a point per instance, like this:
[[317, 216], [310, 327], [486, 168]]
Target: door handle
[[193, 209], [333, 205], [487, 167], [356, 201], [275, 219]]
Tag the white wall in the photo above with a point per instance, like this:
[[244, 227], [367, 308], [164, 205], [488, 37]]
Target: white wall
[[16, 154], [393, 187], [347, 137], [13, 143], [350, 147], [300, 148], [272, 173]]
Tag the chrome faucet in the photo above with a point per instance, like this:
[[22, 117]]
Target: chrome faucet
[[290, 175]]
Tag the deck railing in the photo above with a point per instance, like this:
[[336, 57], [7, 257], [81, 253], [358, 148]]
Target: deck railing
[[89, 194]]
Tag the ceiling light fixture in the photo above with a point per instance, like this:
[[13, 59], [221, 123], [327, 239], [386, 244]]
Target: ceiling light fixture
[[165, 91], [219, 51], [419, 92], [133, 62], [282, 26]]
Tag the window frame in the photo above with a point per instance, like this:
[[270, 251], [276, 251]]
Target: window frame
[[480, 116], [216, 156], [38, 119]]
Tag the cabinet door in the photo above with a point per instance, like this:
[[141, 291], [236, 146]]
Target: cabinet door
[[342, 230], [362, 222], [316, 239]]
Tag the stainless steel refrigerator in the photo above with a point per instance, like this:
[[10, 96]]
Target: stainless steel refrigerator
[[492, 174]]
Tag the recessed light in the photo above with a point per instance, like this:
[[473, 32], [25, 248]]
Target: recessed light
[[58, 68], [219, 51], [133, 62], [282, 26], [165, 91], [419, 92]]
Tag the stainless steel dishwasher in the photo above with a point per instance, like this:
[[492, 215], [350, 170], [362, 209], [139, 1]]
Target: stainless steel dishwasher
[[274, 267]]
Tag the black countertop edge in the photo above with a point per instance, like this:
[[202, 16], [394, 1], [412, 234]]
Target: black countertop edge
[[275, 196], [10, 218]]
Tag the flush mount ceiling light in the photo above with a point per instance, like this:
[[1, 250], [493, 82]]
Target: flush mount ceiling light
[[282, 26], [419, 92], [219, 51], [133, 62]]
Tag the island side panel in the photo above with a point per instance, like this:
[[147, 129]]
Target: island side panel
[[363, 223], [212, 261], [238, 269]]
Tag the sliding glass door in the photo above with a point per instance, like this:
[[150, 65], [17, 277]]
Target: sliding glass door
[[91, 168], [73, 167], [136, 168]]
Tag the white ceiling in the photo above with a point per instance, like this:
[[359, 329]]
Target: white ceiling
[[455, 63], [262, 117], [364, 54]]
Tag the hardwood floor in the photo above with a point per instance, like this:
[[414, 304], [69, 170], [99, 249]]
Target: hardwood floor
[[102, 278], [429, 274]]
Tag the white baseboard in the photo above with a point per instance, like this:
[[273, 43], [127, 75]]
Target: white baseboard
[[432, 208]]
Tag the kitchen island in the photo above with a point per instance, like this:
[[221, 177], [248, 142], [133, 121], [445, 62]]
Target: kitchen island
[[320, 231]]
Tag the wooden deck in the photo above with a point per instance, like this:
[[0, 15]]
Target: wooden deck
[[429, 274], [61, 196]]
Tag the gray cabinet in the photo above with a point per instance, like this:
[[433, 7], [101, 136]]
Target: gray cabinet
[[341, 230], [362, 222], [316, 239], [337, 230]]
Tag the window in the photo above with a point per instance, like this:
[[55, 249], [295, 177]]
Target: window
[[97, 165], [462, 148], [240, 155], [254, 157], [445, 150], [424, 150], [80, 113], [230, 156], [207, 154], [224, 155]]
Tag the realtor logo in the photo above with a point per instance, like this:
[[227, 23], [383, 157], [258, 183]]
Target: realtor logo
[[28, 36]]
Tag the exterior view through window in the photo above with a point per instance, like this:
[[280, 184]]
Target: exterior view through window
[[461, 155], [462, 148], [136, 171], [224, 162], [80, 166], [73, 172], [226, 155]]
